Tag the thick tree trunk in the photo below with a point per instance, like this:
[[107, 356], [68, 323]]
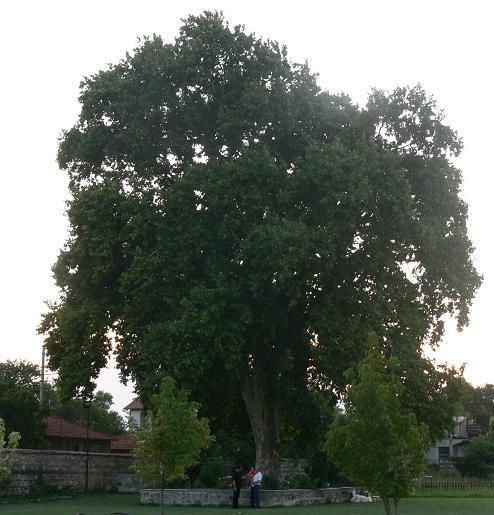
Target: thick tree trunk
[[264, 418]]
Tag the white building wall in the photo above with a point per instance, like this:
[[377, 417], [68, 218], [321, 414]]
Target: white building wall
[[135, 416]]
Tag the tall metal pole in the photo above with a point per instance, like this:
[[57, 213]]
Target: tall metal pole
[[87, 405]]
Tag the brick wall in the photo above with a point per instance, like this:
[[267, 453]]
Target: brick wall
[[63, 470]]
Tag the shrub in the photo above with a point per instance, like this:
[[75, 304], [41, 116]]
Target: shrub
[[322, 471], [479, 458], [270, 482], [300, 481], [210, 470]]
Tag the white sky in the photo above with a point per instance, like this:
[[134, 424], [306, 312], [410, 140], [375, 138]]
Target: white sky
[[47, 47]]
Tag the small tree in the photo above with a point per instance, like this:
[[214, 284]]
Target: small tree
[[7, 448], [377, 442], [170, 439]]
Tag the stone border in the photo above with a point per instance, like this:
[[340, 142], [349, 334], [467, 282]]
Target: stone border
[[217, 497]]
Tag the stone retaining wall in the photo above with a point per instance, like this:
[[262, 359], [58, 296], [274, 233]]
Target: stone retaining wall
[[63, 469], [211, 497]]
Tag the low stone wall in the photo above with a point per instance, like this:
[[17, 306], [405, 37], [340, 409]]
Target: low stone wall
[[211, 497], [63, 470]]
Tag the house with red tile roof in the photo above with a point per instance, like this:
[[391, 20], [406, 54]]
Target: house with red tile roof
[[122, 444], [60, 434]]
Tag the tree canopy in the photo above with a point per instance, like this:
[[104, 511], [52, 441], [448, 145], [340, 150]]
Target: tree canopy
[[478, 403], [101, 418], [19, 401], [230, 220]]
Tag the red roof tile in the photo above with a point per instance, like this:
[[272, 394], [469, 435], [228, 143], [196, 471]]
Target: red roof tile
[[135, 404], [61, 428], [122, 443]]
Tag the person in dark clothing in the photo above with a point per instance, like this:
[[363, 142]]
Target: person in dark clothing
[[236, 485]]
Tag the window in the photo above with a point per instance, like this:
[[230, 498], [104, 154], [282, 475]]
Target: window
[[443, 453]]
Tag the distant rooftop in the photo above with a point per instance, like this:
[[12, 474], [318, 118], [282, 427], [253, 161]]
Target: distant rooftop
[[61, 428], [135, 404], [122, 443]]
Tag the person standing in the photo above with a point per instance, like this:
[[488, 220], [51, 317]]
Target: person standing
[[236, 485], [252, 473], [257, 488]]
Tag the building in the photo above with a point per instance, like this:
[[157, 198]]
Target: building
[[62, 435], [122, 444], [454, 446], [135, 409]]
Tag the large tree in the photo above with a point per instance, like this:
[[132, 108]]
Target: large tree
[[229, 219]]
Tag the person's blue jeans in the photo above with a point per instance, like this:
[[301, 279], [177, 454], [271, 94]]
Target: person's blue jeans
[[257, 495]]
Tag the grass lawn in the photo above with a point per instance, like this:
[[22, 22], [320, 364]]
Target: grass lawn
[[105, 504]]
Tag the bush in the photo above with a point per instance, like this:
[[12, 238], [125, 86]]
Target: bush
[[322, 471], [300, 481], [479, 458], [270, 482], [210, 470]]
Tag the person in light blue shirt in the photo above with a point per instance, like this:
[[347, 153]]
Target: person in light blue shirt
[[257, 480]]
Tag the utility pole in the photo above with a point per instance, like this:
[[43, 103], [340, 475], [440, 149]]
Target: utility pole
[[87, 405]]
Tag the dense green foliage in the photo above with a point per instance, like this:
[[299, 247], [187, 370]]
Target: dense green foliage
[[478, 403], [378, 442], [210, 470], [19, 401], [170, 439], [7, 449], [235, 226], [101, 416], [479, 458]]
